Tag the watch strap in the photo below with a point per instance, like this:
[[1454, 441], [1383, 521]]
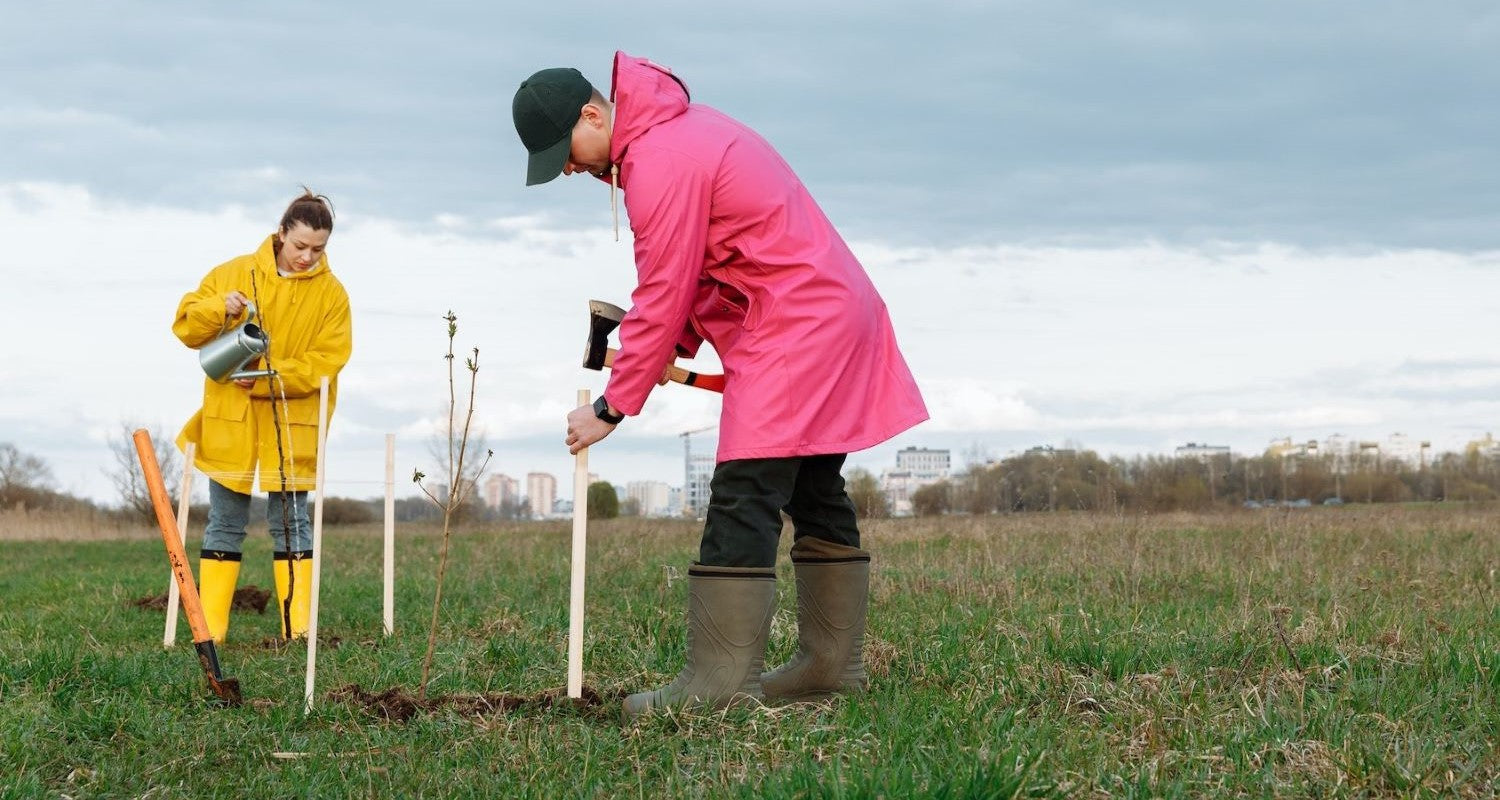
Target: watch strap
[[601, 410]]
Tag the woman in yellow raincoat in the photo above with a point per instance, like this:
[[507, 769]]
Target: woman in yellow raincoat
[[269, 423]]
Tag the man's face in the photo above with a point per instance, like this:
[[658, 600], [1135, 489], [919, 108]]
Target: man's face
[[590, 149]]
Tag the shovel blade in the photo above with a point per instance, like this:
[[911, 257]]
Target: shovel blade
[[226, 689]]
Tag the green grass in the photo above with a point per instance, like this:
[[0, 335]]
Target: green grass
[[1259, 654]]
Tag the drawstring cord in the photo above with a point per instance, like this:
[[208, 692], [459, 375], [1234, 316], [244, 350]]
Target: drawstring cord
[[614, 206]]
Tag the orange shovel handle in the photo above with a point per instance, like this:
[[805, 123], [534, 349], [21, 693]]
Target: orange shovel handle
[[191, 605], [227, 689]]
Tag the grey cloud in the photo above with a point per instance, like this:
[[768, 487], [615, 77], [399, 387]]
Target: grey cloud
[[1442, 368], [1330, 124]]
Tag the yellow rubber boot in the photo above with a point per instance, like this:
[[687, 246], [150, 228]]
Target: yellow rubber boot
[[301, 592], [218, 572]]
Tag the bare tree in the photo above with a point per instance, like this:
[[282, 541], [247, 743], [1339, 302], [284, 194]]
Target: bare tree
[[22, 475], [932, 500], [864, 490], [441, 447], [126, 475]]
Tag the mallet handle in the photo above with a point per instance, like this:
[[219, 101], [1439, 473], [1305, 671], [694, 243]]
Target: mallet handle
[[676, 374]]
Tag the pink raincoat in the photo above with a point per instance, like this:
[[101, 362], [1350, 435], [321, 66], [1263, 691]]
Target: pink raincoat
[[731, 248]]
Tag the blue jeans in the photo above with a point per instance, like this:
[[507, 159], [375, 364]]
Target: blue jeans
[[229, 513]]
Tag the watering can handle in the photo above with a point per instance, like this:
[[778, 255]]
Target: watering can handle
[[248, 312]]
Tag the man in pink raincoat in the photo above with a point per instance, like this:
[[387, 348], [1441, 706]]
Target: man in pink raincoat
[[731, 249]]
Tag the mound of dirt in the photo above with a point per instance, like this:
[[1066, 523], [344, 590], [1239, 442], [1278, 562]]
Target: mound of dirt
[[246, 598], [151, 602], [398, 705], [251, 598]]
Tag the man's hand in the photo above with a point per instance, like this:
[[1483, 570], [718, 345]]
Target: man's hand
[[585, 429], [234, 303]]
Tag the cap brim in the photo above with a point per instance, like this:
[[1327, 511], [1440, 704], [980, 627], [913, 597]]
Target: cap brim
[[544, 165]]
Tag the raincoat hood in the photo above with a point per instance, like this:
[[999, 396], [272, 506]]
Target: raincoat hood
[[644, 94], [265, 262]]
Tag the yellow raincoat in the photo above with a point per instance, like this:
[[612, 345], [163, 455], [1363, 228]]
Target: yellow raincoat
[[306, 316]]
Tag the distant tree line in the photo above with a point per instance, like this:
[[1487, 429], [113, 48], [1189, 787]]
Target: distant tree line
[[1083, 481], [26, 482], [1075, 480]]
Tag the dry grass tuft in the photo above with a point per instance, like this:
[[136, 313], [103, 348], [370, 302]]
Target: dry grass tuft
[[879, 656], [30, 525]]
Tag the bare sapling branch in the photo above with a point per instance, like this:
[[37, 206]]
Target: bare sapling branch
[[458, 489]]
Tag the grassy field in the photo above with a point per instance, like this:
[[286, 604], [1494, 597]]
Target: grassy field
[[1312, 653]]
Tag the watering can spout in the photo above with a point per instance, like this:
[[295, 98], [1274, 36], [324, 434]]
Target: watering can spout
[[225, 358]]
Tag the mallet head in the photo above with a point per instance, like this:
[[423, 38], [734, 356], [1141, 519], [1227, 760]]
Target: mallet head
[[603, 318]]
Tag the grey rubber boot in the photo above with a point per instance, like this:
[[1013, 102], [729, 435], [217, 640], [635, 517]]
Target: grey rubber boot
[[833, 596], [728, 622]]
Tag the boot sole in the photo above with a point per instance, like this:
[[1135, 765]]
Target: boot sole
[[814, 696], [738, 700]]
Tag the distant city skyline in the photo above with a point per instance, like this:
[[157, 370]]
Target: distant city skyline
[[937, 463]]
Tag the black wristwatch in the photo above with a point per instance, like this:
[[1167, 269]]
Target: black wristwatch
[[601, 410]]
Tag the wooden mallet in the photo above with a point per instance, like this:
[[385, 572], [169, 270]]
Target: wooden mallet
[[597, 354]]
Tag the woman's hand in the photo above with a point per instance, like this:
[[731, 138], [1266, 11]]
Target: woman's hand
[[234, 304], [248, 383]]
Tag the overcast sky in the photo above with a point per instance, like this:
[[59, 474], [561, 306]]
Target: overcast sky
[[1122, 226]]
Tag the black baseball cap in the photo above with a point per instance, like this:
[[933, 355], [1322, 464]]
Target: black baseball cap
[[546, 108]]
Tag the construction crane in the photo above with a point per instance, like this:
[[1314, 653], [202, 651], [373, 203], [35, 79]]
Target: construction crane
[[691, 499]]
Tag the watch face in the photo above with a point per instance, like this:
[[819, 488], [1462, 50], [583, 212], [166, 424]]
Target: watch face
[[601, 410]]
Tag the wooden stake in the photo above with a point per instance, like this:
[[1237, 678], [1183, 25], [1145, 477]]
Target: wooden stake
[[390, 533], [169, 637], [317, 547], [580, 540]]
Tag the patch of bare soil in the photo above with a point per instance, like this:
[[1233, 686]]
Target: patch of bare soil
[[151, 602], [251, 598], [246, 598], [398, 705]]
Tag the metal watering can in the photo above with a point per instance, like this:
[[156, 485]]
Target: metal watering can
[[224, 359]]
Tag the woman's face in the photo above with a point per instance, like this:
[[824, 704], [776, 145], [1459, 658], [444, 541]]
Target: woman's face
[[301, 247]]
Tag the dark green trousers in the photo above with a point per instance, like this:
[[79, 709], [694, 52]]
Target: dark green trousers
[[747, 497]]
